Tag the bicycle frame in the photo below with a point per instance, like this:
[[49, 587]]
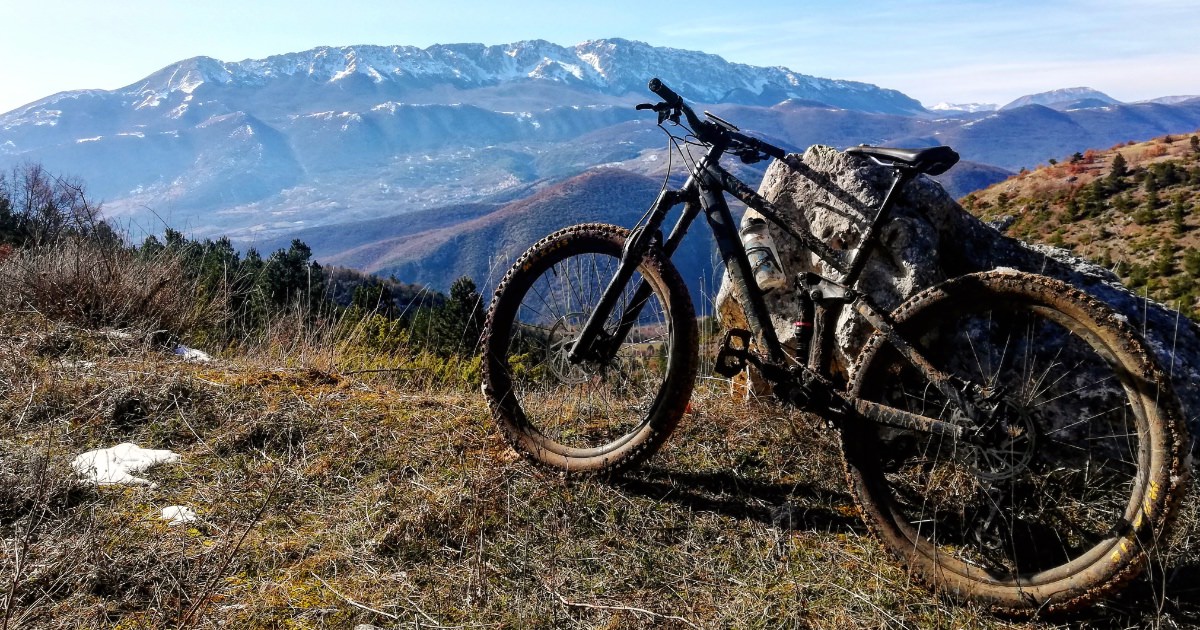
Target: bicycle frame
[[704, 192]]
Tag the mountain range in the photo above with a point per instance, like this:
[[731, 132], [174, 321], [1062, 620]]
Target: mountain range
[[1065, 99], [331, 140]]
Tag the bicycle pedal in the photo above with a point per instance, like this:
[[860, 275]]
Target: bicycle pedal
[[732, 359]]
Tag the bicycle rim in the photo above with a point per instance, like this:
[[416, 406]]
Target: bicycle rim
[[1057, 504], [592, 409]]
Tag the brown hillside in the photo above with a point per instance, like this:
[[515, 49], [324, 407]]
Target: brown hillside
[[1142, 220], [482, 248], [539, 209]]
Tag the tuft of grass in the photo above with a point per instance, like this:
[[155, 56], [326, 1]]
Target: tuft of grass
[[91, 283]]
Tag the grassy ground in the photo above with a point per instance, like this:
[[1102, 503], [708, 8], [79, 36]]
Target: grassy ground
[[329, 500]]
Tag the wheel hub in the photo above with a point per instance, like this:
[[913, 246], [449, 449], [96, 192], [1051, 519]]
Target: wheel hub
[[1008, 444], [563, 335]]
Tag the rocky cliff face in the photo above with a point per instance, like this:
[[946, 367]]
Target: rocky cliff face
[[930, 239]]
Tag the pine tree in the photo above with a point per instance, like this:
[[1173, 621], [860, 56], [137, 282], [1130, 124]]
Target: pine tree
[[374, 297], [291, 276], [1152, 202], [1191, 262], [9, 223], [1119, 168], [458, 323], [1177, 213], [1164, 261], [1072, 208], [248, 291], [1122, 203]]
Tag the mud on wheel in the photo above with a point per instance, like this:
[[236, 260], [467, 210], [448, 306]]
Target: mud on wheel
[[1080, 466], [612, 411]]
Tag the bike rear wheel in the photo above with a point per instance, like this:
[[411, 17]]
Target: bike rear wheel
[[598, 416], [1082, 468]]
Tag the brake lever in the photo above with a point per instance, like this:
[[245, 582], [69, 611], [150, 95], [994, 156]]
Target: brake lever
[[665, 110]]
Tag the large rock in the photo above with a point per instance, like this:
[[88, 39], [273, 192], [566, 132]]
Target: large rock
[[929, 239]]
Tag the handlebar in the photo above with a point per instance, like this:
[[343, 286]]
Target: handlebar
[[665, 93], [708, 132], [758, 145]]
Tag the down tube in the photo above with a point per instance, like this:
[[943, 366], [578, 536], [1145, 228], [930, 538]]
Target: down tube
[[629, 317], [740, 274]]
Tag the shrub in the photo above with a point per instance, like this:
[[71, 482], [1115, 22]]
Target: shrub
[[91, 282]]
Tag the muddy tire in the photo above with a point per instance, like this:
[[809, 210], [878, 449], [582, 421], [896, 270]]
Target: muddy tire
[[596, 417], [1084, 466]]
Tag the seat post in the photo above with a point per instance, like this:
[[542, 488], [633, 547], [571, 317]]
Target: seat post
[[901, 176]]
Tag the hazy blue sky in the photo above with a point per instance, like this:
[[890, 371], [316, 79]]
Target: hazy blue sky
[[958, 51]]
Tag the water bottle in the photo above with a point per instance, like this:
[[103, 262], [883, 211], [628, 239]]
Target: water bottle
[[760, 249]]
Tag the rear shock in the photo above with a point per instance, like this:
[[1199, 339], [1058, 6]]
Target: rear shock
[[802, 328]]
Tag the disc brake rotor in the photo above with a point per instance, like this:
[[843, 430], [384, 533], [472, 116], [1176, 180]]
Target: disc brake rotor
[[558, 346], [1012, 440]]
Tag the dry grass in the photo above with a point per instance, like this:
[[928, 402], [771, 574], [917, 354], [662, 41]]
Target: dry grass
[[327, 500], [89, 283], [336, 486]]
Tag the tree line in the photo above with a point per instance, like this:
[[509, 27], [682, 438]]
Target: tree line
[[40, 212]]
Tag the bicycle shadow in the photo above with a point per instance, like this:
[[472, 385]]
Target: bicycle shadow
[[786, 506], [1162, 597]]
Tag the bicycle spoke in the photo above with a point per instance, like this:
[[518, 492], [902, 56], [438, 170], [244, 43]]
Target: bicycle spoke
[[1057, 484], [587, 404]]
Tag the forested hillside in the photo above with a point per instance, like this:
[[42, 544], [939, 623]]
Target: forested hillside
[[1134, 208], [60, 258]]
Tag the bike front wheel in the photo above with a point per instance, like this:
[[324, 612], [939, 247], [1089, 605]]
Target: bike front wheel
[[1080, 467], [612, 411]]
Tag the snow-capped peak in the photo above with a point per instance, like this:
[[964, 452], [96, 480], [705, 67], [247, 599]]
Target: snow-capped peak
[[610, 66], [1065, 98], [964, 107]]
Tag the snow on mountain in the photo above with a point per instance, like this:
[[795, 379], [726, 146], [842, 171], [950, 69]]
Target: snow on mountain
[[610, 66], [262, 147], [203, 134], [1064, 99], [1172, 100], [970, 108]]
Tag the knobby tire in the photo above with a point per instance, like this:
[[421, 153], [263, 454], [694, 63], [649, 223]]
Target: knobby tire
[[595, 417], [1087, 461]]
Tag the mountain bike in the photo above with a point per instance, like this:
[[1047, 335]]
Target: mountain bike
[[1008, 438]]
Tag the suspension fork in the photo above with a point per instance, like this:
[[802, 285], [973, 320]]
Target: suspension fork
[[592, 343], [702, 191]]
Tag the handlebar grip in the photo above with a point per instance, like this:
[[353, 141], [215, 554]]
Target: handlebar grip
[[773, 151], [664, 92], [759, 145]]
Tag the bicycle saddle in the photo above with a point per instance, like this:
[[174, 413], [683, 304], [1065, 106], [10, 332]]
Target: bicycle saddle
[[931, 161]]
